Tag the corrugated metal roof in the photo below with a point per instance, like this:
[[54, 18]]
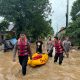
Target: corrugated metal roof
[[10, 27]]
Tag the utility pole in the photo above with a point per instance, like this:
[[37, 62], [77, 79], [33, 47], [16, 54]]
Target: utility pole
[[67, 13], [57, 28]]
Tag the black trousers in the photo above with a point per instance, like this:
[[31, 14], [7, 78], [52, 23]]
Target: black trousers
[[60, 56], [38, 50], [23, 62], [50, 53]]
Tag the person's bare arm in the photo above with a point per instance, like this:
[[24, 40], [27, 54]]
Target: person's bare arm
[[14, 52], [30, 52], [70, 45], [63, 45]]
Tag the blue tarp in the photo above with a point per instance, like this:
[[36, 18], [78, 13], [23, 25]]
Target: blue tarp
[[13, 41]]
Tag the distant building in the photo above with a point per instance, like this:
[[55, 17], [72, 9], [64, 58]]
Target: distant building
[[10, 27], [9, 31], [61, 33]]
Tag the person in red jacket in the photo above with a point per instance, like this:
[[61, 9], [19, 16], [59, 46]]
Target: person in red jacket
[[23, 48], [58, 50]]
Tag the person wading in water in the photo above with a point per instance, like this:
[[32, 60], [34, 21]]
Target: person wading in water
[[23, 48], [66, 45], [50, 47], [58, 50], [39, 46]]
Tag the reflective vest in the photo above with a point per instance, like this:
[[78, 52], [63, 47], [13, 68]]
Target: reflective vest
[[22, 48], [58, 47]]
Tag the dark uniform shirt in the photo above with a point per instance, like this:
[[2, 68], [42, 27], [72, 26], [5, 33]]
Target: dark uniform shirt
[[39, 46]]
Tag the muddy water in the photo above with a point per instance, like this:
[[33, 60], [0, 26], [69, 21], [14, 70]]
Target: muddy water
[[69, 70]]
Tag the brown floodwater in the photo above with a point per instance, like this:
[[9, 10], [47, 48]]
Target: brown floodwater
[[69, 70]]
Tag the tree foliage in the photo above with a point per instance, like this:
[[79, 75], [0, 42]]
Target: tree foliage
[[4, 25], [28, 16], [73, 30], [75, 9]]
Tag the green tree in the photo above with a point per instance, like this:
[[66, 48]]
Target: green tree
[[73, 31], [75, 9], [4, 25], [28, 16]]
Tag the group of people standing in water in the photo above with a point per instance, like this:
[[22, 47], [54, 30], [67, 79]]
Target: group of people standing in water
[[23, 49], [61, 48]]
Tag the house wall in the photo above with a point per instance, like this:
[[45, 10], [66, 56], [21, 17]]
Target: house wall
[[61, 33]]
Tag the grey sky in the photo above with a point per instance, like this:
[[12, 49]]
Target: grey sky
[[58, 16]]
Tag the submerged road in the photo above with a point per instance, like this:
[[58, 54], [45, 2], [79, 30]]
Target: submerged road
[[69, 70]]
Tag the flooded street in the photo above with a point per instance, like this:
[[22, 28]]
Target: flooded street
[[40, 26], [69, 70]]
